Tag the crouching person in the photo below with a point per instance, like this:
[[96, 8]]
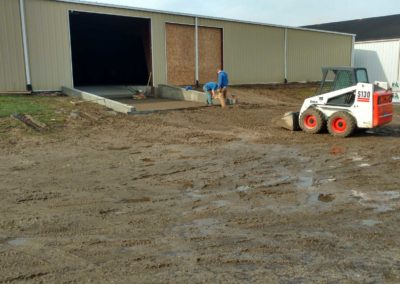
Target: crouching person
[[210, 89]]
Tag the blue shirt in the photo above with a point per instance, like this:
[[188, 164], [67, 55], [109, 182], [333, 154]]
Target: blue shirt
[[223, 80], [210, 86]]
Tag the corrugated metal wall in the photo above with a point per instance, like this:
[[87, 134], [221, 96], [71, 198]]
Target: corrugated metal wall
[[380, 58], [12, 67], [251, 53], [49, 43], [309, 51]]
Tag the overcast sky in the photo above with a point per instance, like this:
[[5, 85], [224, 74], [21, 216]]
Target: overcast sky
[[280, 12]]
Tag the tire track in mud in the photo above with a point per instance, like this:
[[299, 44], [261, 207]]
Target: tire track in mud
[[24, 277], [207, 217], [30, 260]]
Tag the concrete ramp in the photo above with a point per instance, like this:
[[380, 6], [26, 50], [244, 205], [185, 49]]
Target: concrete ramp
[[122, 98], [112, 104], [160, 104], [176, 93]]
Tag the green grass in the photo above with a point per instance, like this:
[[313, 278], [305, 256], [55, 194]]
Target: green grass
[[22, 104], [43, 108]]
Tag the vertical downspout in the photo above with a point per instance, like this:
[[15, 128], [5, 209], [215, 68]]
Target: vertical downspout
[[25, 46], [285, 56], [353, 50], [196, 36]]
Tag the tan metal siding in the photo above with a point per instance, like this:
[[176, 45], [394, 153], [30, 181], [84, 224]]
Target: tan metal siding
[[309, 51], [49, 43], [252, 54], [12, 67]]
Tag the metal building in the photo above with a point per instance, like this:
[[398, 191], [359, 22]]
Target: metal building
[[382, 59], [377, 47], [47, 44]]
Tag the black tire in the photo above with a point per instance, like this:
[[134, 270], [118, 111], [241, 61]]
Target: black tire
[[342, 124], [312, 121]]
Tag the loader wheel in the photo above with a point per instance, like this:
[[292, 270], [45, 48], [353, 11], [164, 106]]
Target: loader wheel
[[341, 124], [312, 121]]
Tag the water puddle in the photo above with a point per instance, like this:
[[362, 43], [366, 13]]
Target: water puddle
[[365, 165], [326, 181], [392, 195], [200, 227], [313, 199], [193, 195], [382, 208], [305, 182], [358, 194], [205, 226], [381, 202], [370, 222], [205, 222], [357, 158], [243, 188], [276, 181], [179, 254], [384, 196], [18, 241], [220, 203]]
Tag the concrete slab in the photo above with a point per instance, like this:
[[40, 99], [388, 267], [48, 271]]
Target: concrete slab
[[152, 104], [120, 98], [114, 92]]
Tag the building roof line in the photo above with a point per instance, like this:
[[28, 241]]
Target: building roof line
[[378, 40], [198, 16]]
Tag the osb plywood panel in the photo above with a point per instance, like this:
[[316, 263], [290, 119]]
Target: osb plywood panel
[[180, 54], [210, 53]]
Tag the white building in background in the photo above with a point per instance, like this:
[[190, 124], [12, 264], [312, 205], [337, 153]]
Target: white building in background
[[382, 59], [377, 46]]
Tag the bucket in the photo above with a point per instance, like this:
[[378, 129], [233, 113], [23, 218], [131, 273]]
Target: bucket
[[232, 100]]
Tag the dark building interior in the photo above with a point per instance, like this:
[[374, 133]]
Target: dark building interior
[[110, 50]]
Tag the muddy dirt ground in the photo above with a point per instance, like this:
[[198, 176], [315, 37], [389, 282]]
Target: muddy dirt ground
[[206, 195]]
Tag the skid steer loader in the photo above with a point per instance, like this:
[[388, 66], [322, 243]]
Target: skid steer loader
[[345, 101]]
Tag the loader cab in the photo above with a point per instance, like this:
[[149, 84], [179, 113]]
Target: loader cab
[[338, 78]]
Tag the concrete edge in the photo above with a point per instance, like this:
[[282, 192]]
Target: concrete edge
[[116, 106], [176, 93], [144, 112]]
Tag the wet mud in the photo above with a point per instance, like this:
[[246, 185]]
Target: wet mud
[[207, 195]]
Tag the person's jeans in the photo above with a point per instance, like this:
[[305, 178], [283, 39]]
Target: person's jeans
[[209, 96]]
